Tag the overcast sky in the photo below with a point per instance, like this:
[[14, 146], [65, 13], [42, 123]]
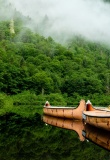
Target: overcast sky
[[89, 18]]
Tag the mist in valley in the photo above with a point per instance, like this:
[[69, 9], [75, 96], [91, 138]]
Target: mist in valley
[[64, 19]]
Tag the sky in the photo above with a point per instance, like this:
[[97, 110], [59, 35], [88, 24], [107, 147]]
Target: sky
[[88, 18]]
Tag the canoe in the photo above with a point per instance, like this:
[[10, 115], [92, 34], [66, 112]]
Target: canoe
[[98, 136], [90, 107], [65, 112], [75, 125], [97, 118]]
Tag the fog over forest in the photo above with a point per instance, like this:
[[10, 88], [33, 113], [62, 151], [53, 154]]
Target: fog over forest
[[63, 18]]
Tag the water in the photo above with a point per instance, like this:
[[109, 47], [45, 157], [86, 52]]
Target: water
[[31, 138]]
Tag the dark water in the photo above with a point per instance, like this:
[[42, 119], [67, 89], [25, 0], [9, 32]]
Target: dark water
[[32, 139]]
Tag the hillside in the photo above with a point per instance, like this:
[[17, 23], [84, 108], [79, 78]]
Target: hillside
[[31, 62]]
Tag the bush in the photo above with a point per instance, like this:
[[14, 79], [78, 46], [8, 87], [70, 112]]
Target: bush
[[24, 98], [2, 100]]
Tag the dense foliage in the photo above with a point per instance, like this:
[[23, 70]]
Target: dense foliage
[[31, 62]]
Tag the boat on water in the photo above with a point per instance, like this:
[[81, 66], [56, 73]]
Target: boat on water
[[98, 136], [75, 125], [100, 119], [65, 112]]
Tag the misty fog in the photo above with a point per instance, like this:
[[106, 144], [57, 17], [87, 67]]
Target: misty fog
[[64, 18]]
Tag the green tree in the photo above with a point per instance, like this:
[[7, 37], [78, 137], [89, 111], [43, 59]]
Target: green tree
[[42, 83]]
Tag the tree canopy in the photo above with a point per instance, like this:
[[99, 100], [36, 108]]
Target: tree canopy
[[29, 61]]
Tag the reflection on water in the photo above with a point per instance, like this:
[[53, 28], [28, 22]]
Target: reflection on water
[[29, 138], [75, 125], [85, 131], [99, 136]]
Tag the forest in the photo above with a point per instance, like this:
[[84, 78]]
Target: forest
[[34, 69], [39, 68]]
